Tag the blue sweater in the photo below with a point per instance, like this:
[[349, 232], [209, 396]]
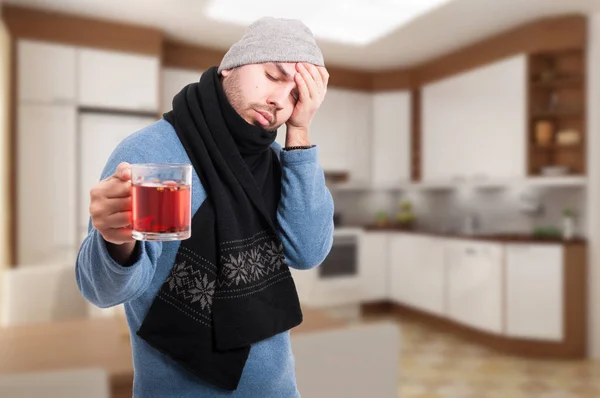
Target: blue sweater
[[305, 216]]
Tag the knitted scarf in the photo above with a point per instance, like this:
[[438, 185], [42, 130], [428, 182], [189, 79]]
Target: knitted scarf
[[229, 286]]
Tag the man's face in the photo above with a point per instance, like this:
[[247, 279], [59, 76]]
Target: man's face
[[262, 94]]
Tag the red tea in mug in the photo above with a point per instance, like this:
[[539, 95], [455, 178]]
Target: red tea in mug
[[161, 210]]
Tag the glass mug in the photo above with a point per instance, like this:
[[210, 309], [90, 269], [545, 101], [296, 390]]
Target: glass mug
[[161, 201]]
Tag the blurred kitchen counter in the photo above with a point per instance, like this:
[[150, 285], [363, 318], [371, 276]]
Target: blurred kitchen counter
[[93, 343], [487, 237]]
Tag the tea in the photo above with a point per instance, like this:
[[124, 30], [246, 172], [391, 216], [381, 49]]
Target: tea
[[161, 208]]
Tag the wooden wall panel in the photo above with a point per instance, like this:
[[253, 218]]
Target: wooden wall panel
[[416, 163], [393, 80], [548, 34], [186, 56], [80, 31], [350, 79], [12, 161]]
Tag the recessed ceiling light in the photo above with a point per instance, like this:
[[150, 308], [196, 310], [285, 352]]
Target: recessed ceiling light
[[357, 22]]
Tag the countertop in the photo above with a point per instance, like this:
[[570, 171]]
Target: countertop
[[98, 342], [488, 237]]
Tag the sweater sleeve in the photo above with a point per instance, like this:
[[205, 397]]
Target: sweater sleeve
[[305, 212], [101, 280]]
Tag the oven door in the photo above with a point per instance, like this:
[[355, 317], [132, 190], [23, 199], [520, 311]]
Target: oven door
[[337, 280]]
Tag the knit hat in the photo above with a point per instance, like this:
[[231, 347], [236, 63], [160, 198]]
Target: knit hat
[[274, 40]]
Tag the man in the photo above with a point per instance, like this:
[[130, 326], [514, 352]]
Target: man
[[210, 315]]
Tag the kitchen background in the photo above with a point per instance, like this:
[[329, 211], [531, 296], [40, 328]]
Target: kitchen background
[[460, 140]]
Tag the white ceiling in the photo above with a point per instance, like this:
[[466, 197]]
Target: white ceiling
[[451, 26]]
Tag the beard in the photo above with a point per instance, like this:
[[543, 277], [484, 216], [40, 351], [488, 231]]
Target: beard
[[236, 98]]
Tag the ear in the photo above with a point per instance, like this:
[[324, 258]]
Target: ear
[[226, 72]]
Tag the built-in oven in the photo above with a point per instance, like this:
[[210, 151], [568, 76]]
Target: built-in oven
[[337, 280], [342, 260]]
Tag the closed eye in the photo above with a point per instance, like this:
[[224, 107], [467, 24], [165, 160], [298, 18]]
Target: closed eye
[[273, 79]]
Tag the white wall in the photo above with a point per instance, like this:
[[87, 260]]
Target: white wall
[[4, 148], [593, 167]]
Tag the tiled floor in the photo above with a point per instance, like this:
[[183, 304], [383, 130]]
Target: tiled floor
[[434, 364]]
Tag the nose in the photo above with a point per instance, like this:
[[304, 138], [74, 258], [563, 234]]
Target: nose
[[277, 98]]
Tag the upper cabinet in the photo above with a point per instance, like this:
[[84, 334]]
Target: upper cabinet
[[341, 128], [356, 131], [328, 131], [116, 80], [46, 73], [391, 139], [172, 81], [474, 124]]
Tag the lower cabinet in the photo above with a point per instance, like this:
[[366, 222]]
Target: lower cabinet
[[373, 266], [514, 289], [417, 272], [531, 294], [534, 291], [474, 284]]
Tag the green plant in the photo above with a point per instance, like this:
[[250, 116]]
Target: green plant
[[405, 216], [381, 215], [406, 205], [546, 232], [568, 213]]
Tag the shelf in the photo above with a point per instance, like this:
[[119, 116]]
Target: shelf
[[557, 147], [568, 82], [557, 114]]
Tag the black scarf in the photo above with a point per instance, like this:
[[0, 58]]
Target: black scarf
[[229, 286]]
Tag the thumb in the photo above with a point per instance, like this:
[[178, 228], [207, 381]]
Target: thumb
[[123, 171]]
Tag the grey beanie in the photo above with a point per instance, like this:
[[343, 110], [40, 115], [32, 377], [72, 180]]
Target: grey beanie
[[274, 40]]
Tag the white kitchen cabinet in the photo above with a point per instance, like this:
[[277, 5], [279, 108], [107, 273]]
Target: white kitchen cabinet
[[46, 73], [341, 128], [99, 135], [534, 288], [173, 80], [474, 284], [358, 132], [417, 272], [328, 131], [373, 265], [117, 80], [46, 189], [391, 139], [474, 123]]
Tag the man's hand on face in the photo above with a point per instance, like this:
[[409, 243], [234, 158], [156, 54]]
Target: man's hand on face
[[312, 86]]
